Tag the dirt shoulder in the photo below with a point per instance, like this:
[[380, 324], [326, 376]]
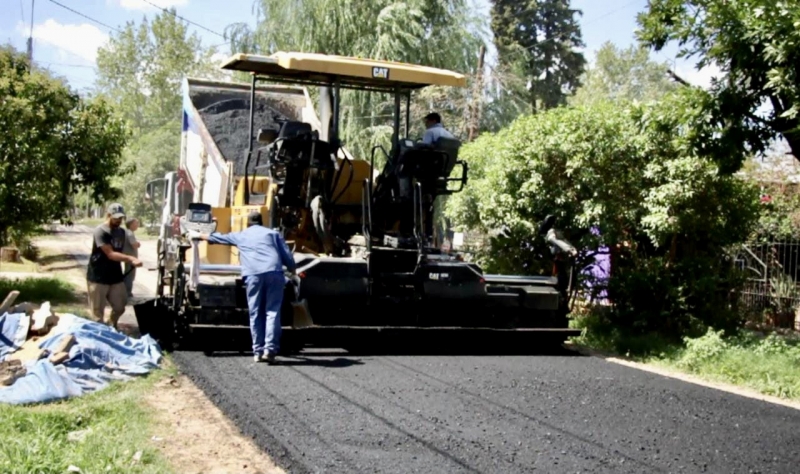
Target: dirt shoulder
[[195, 437]]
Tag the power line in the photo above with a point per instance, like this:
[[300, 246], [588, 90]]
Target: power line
[[184, 19], [71, 65], [86, 16]]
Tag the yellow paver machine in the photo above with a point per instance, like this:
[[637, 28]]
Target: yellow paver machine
[[363, 238]]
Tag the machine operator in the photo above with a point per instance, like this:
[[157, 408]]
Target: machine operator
[[262, 252], [434, 129]]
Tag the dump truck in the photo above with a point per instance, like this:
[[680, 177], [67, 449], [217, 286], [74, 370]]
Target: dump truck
[[368, 259]]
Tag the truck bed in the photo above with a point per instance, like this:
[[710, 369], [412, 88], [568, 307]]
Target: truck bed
[[225, 112]]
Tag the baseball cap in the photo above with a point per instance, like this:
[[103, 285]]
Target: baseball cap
[[116, 210], [254, 218]]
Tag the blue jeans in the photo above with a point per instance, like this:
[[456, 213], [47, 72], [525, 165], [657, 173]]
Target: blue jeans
[[264, 298]]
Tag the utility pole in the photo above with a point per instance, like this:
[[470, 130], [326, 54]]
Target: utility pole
[[30, 39], [475, 116]]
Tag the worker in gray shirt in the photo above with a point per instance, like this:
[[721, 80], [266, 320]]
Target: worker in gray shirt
[[263, 253], [131, 248], [104, 276]]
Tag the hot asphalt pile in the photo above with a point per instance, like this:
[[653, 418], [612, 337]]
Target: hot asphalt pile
[[226, 115], [331, 412]]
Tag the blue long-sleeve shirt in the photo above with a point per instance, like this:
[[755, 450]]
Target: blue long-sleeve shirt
[[261, 249], [434, 133]]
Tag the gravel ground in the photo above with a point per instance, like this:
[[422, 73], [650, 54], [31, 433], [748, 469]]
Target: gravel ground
[[332, 412]]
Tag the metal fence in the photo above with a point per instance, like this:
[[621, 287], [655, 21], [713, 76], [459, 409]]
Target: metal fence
[[771, 295]]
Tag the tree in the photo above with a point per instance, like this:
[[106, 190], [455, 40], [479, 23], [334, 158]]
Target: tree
[[142, 69], [505, 96], [53, 146], [432, 33], [544, 35], [633, 172], [623, 75], [756, 43], [776, 176], [154, 153]]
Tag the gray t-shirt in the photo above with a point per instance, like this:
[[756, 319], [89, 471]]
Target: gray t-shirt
[[130, 244], [101, 269]]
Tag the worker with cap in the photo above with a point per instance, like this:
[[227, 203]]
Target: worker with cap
[[263, 253], [104, 277]]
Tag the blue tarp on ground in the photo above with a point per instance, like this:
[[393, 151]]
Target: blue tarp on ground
[[99, 356], [13, 332]]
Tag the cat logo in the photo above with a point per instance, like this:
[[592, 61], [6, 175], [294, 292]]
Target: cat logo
[[380, 72]]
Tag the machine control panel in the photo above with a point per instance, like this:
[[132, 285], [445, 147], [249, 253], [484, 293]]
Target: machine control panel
[[198, 218]]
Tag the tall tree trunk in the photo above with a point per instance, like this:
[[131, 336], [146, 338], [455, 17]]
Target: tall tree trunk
[[793, 139]]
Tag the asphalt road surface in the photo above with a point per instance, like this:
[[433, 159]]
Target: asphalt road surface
[[332, 412]]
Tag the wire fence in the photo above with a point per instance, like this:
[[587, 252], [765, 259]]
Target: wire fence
[[771, 295]]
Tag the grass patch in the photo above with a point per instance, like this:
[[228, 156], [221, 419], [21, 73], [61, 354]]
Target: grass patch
[[36, 438], [769, 364], [91, 222], [26, 266], [38, 290], [80, 311]]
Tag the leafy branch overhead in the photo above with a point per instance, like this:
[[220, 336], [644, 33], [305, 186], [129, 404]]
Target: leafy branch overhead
[[755, 43]]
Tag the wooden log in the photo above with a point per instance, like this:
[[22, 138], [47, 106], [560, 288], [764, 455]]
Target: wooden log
[[10, 255], [10, 299], [10, 371], [58, 357]]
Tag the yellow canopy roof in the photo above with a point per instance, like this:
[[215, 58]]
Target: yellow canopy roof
[[351, 72]]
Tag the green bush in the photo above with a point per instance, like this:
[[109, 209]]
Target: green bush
[[642, 175], [702, 350]]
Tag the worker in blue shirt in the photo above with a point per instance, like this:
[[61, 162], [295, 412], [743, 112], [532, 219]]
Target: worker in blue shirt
[[434, 129], [262, 253]]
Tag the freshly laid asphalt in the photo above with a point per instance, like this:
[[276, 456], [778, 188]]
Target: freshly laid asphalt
[[333, 412]]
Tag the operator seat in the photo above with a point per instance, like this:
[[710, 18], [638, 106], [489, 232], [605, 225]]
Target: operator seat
[[290, 129], [450, 146], [430, 165]]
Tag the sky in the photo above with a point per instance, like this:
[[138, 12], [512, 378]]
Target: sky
[[66, 41]]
